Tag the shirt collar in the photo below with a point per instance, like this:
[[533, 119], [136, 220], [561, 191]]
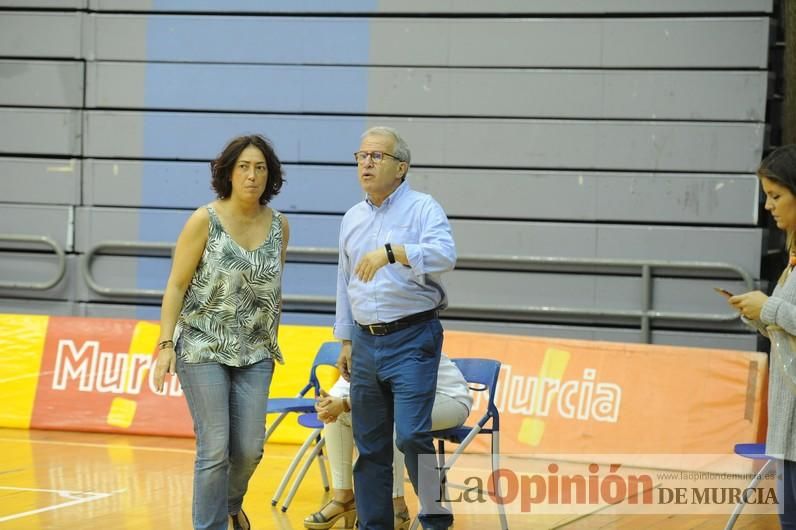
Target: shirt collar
[[397, 193]]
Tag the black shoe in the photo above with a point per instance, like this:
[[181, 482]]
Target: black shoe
[[236, 521]]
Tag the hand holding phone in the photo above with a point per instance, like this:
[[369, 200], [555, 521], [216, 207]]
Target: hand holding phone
[[723, 292]]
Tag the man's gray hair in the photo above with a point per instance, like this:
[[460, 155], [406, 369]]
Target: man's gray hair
[[402, 152]]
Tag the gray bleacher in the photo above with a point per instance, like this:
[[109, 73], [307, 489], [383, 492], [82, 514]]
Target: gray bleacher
[[599, 134]]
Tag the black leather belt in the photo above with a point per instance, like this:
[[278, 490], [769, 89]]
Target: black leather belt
[[386, 328]]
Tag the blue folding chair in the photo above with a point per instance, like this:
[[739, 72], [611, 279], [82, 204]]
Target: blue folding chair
[[303, 403], [756, 452], [309, 420], [481, 376]]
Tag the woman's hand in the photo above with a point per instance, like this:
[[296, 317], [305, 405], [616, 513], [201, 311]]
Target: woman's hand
[[328, 407], [166, 363], [749, 304]]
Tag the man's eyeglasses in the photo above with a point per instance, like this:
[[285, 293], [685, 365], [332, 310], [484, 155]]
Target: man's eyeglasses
[[376, 156]]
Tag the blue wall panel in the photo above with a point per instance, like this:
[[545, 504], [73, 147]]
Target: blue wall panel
[[294, 6], [258, 39], [161, 182], [275, 88]]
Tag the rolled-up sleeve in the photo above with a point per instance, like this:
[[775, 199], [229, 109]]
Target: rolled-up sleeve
[[436, 251]]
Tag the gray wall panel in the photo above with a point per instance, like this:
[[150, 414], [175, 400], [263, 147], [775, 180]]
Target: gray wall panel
[[51, 221], [618, 43], [701, 42], [551, 195], [517, 290], [615, 94], [42, 181], [38, 307], [40, 34], [37, 268], [40, 131], [505, 291], [738, 246], [592, 196], [569, 42], [119, 273], [458, 142], [96, 225], [441, 6], [51, 4], [41, 83]]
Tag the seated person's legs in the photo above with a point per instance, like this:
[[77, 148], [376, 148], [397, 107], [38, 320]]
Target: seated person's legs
[[339, 450]]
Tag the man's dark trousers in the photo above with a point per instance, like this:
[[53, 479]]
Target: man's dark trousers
[[394, 378]]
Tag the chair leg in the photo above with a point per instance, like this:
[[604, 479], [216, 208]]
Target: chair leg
[[292, 467], [303, 471], [443, 474], [274, 425], [741, 503], [504, 525]]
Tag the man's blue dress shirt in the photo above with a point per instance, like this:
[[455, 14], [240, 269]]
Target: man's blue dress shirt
[[409, 218]]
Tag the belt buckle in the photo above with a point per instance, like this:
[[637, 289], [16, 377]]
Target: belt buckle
[[374, 329]]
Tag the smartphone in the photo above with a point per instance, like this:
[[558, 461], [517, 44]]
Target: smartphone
[[723, 292]]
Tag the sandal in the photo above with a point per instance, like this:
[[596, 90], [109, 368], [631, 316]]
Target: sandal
[[318, 521], [401, 520], [236, 521]]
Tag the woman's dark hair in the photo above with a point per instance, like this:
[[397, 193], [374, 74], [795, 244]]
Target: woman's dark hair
[[780, 167], [221, 168]]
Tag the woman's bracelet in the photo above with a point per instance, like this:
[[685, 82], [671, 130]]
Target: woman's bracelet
[[162, 345]]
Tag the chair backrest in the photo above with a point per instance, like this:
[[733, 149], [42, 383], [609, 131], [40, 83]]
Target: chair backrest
[[327, 355], [482, 376]]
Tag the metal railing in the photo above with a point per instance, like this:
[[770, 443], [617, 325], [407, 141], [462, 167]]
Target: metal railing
[[128, 248], [40, 240], [644, 315]]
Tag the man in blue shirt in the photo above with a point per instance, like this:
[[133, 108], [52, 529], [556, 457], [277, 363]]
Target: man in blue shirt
[[394, 246]]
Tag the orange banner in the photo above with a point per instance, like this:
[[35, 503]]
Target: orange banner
[[554, 395], [575, 396], [95, 376]]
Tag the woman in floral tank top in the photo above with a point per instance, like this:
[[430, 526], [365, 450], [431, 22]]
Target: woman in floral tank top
[[219, 323]]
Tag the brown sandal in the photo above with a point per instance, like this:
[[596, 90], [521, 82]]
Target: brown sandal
[[318, 521]]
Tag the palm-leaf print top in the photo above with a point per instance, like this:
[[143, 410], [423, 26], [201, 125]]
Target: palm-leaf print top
[[231, 308]]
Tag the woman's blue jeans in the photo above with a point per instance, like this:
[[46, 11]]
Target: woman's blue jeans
[[228, 409]]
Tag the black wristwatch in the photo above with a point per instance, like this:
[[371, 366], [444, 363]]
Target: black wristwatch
[[390, 255]]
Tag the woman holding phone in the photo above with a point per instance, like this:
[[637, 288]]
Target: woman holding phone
[[775, 317]]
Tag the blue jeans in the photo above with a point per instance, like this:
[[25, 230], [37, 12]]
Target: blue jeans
[[228, 409], [394, 380]]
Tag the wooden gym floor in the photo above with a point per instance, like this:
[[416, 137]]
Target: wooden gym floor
[[77, 481]]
